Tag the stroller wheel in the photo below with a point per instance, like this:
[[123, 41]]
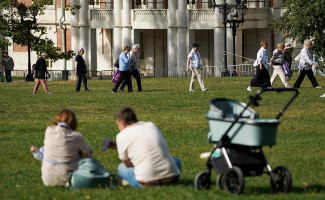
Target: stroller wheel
[[202, 181], [234, 181], [281, 180], [220, 181]]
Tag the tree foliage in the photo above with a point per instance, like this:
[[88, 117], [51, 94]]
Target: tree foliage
[[16, 23], [304, 19]]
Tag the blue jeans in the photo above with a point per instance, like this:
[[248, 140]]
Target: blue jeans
[[127, 173], [8, 75]]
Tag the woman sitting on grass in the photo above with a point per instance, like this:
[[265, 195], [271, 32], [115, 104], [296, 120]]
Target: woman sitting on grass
[[63, 148]]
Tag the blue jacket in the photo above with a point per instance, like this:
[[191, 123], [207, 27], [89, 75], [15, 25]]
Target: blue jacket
[[124, 62]]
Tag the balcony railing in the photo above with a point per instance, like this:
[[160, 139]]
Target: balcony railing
[[201, 15], [143, 15], [198, 15], [101, 15], [257, 14]]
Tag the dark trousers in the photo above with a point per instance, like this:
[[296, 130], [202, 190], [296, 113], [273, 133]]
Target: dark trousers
[[81, 77], [302, 75], [124, 75], [8, 75], [136, 75], [261, 78]]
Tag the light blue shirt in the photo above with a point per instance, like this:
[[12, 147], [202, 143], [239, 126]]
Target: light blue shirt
[[306, 60], [195, 58], [261, 56], [124, 62]]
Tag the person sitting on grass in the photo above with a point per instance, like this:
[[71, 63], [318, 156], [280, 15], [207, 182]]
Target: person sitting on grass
[[63, 148], [146, 160]]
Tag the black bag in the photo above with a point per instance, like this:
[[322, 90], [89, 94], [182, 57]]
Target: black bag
[[117, 63], [33, 68]]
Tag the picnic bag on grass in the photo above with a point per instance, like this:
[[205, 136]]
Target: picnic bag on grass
[[116, 76], [91, 174]]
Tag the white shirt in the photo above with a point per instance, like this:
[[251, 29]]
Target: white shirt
[[195, 58], [306, 59], [261, 56], [144, 145]]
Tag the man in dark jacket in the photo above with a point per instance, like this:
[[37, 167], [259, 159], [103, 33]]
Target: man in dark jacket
[[39, 73]]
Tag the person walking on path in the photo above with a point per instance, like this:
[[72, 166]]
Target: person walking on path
[[9, 65], [287, 54], [124, 67], [134, 67], [146, 161], [194, 63], [81, 71], [39, 73], [262, 77], [63, 148], [277, 61], [305, 66]]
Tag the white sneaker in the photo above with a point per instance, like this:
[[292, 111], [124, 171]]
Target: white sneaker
[[318, 87], [191, 90], [249, 88], [204, 89], [50, 92], [323, 96]]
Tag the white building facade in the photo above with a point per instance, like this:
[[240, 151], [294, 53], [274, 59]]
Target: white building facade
[[165, 29]]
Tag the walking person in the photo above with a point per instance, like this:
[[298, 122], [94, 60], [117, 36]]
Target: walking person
[[262, 77], [63, 148], [81, 71], [194, 63], [305, 66], [124, 67], [9, 65], [277, 61], [39, 73], [134, 67], [287, 54]]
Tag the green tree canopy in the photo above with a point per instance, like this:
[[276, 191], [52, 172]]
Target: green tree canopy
[[12, 27], [304, 19]]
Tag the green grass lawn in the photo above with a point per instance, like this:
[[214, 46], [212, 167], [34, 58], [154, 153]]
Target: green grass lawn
[[180, 115]]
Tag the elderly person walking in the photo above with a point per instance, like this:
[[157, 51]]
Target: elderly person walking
[[8, 64], [81, 71], [194, 63], [305, 66], [262, 77], [134, 67], [124, 67], [39, 73], [277, 60]]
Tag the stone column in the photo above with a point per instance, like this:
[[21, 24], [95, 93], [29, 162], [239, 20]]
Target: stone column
[[75, 35], [161, 4], [84, 30], [117, 29], [172, 34], [182, 34], [150, 4], [126, 23], [218, 39]]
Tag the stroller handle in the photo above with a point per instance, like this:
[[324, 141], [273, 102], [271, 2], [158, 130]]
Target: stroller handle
[[256, 97]]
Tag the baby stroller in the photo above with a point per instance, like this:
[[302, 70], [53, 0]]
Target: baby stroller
[[239, 135]]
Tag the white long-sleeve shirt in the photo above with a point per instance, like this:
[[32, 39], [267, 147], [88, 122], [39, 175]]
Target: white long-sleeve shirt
[[261, 56], [306, 59]]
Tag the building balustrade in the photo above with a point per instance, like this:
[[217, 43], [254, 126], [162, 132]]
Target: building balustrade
[[144, 15], [160, 15]]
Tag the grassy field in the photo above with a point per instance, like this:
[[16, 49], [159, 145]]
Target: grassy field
[[179, 114]]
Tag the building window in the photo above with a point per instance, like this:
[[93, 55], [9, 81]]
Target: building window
[[49, 63]]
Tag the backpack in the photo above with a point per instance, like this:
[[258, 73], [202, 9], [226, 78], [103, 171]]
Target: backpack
[[33, 68], [91, 174], [116, 63]]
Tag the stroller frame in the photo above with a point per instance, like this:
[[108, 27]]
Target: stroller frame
[[238, 160]]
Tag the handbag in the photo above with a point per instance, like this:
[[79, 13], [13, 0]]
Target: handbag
[[91, 174], [116, 76], [286, 69]]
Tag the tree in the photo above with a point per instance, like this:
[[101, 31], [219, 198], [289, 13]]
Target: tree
[[304, 19], [16, 23]]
